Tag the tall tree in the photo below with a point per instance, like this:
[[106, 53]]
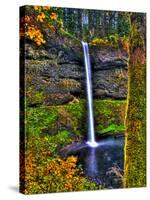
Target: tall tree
[[135, 142], [79, 24], [123, 23]]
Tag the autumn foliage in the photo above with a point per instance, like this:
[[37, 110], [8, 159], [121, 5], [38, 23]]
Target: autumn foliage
[[45, 172], [39, 22], [112, 41]]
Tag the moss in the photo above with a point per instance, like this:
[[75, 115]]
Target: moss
[[56, 142], [38, 96], [135, 140], [67, 120], [34, 96], [78, 113], [109, 116], [39, 118], [77, 109], [62, 138], [113, 128]]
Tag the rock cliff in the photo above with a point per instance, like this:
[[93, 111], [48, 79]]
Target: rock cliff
[[56, 75]]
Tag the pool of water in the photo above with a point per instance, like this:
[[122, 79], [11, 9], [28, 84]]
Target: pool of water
[[103, 164]]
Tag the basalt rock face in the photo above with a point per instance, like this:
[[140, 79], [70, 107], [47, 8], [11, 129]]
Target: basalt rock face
[[56, 74], [109, 73]]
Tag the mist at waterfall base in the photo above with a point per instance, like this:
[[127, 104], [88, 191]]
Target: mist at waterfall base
[[97, 162], [98, 158]]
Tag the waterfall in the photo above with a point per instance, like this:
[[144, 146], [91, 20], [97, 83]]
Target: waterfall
[[91, 132]]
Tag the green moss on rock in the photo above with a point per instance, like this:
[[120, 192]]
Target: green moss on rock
[[135, 140], [109, 116], [112, 128], [72, 117], [39, 118]]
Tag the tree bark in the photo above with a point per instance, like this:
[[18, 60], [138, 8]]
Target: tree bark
[[135, 139]]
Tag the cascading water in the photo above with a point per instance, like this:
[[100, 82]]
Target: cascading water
[[91, 132]]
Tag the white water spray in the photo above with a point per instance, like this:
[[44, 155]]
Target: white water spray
[[91, 131]]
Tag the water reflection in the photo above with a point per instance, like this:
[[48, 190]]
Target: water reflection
[[97, 161], [91, 163]]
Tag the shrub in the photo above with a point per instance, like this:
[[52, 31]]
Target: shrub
[[45, 173], [112, 41], [39, 22]]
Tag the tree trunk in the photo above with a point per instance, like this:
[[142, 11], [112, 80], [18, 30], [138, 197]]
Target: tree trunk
[[135, 140], [79, 32]]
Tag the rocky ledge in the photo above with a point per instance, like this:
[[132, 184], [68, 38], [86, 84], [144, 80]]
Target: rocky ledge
[[56, 74]]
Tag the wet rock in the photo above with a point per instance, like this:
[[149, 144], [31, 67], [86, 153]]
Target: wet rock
[[110, 83], [64, 71], [113, 64], [32, 53], [62, 85], [58, 99], [58, 72]]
